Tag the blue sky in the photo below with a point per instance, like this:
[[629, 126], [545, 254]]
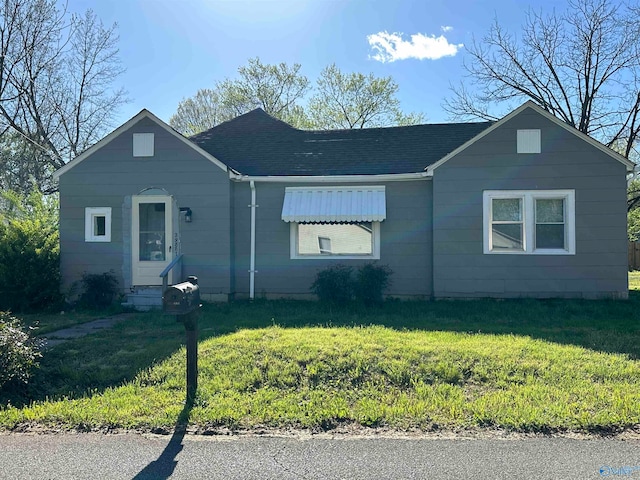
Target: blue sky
[[172, 48]]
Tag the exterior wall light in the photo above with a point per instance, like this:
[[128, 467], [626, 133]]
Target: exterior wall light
[[187, 214]]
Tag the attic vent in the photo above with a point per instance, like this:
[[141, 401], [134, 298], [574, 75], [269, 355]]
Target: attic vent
[[529, 141], [143, 144]]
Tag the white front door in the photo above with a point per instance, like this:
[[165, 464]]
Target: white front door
[[151, 238]]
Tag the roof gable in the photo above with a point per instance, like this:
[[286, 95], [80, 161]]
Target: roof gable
[[126, 126], [530, 104]]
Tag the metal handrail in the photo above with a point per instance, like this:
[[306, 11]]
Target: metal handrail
[[165, 272]]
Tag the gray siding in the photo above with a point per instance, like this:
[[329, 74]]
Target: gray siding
[[599, 267], [110, 176], [405, 242]]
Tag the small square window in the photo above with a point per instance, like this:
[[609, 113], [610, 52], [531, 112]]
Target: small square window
[[143, 144], [529, 141], [97, 224]]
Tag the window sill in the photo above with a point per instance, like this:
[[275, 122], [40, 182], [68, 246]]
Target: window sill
[[535, 252], [335, 257]]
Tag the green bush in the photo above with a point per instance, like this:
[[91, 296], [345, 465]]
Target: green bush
[[99, 289], [29, 252], [633, 225], [339, 285], [18, 352], [371, 282], [334, 284]]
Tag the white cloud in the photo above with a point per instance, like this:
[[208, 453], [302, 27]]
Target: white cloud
[[390, 47], [446, 28]]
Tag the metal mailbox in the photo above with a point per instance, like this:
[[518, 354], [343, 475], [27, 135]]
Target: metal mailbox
[[182, 298]]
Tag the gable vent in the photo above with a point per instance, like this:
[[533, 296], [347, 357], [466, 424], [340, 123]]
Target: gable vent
[[529, 141], [143, 144]]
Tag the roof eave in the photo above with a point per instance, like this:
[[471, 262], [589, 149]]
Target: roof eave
[[387, 177]]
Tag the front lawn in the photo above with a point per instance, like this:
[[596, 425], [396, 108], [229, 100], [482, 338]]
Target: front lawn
[[519, 365]]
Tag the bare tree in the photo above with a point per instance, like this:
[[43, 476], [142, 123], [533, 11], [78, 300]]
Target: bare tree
[[355, 100], [582, 65], [56, 77]]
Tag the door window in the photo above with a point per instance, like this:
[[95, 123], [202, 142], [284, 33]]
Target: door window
[[152, 232]]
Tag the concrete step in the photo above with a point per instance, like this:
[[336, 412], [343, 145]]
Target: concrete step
[[144, 299]]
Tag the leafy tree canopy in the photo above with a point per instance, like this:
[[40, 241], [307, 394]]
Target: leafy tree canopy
[[277, 89], [353, 100], [339, 100]]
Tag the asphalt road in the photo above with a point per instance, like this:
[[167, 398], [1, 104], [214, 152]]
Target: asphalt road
[[127, 456]]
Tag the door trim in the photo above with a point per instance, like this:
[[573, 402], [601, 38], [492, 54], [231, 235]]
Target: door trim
[[148, 272]]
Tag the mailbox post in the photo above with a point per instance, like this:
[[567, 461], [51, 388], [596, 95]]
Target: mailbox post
[[183, 301]]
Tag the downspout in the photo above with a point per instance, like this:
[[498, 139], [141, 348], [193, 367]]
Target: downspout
[[252, 268]]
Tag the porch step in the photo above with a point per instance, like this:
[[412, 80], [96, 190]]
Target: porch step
[[144, 299]]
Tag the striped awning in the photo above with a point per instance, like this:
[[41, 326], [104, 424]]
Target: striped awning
[[334, 204]]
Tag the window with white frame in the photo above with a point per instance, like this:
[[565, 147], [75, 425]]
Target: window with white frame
[[341, 240], [97, 224], [529, 222], [335, 221]]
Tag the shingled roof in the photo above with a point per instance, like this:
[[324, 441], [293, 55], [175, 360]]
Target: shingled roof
[[257, 144]]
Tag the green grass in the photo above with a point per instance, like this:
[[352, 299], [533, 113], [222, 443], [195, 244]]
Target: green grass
[[634, 280], [520, 365]]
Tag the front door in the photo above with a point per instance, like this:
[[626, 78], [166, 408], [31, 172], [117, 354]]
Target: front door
[[151, 238]]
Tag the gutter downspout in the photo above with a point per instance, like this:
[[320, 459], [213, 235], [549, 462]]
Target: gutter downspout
[[252, 268]]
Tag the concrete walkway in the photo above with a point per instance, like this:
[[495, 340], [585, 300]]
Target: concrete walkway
[[52, 339]]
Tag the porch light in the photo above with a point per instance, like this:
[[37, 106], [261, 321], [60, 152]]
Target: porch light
[[187, 214]]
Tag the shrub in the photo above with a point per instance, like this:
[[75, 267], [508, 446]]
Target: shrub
[[29, 252], [98, 289], [334, 284], [18, 352], [633, 225], [371, 282], [339, 285]]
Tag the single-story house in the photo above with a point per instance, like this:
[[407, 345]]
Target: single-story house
[[523, 207]]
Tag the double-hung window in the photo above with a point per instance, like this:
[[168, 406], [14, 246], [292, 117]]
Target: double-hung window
[[538, 222]]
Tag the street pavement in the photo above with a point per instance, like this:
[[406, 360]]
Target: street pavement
[[246, 457]]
